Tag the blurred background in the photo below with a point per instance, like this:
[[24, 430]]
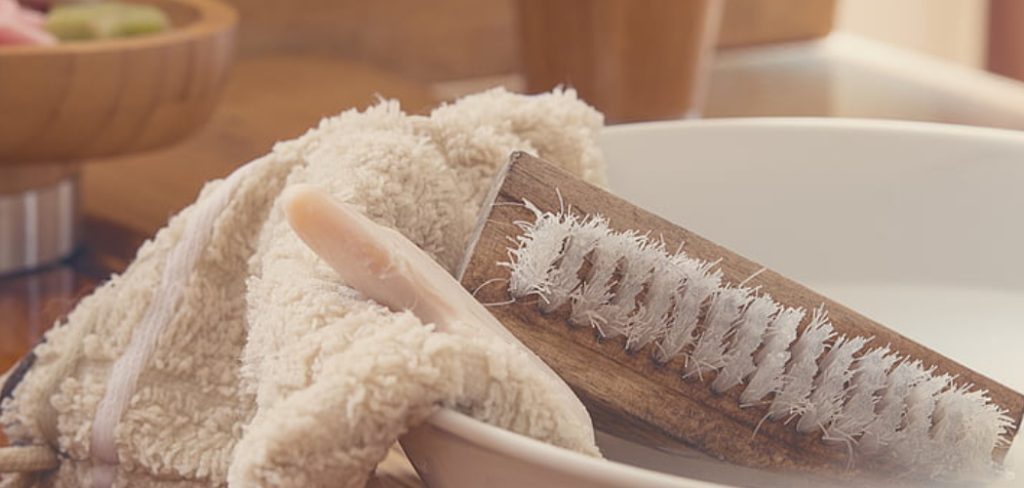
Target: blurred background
[[300, 60]]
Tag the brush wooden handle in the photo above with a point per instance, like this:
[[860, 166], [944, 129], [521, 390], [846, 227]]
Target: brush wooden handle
[[629, 394]]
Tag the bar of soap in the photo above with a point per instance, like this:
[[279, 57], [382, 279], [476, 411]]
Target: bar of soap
[[20, 25], [105, 20]]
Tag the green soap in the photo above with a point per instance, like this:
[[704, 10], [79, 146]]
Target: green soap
[[105, 20]]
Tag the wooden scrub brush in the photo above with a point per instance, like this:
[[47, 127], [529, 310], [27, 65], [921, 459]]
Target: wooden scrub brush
[[672, 340]]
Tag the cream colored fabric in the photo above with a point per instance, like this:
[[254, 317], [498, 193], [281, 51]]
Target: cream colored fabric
[[274, 373]]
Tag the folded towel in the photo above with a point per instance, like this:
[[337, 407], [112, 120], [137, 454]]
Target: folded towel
[[229, 353]]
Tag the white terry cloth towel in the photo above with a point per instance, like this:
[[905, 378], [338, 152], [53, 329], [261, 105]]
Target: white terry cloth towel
[[228, 353]]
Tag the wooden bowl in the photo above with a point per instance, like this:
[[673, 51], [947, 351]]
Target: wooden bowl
[[101, 98], [64, 103]]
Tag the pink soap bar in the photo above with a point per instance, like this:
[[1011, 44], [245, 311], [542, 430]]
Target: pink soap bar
[[20, 25]]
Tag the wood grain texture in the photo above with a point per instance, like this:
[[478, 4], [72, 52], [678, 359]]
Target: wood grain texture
[[632, 59], [106, 97], [630, 394], [457, 39], [1005, 38], [435, 40]]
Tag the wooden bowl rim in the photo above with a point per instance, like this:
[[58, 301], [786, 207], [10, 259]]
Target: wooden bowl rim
[[214, 18]]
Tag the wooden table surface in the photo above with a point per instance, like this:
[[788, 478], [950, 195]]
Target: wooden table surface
[[274, 98]]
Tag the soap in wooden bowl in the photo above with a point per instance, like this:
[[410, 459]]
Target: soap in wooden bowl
[[107, 97]]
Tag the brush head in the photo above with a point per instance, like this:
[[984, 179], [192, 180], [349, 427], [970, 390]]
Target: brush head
[[672, 340]]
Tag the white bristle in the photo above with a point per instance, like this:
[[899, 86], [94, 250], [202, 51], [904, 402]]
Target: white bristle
[[723, 314], [543, 239], [772, 358], [883, 431], [914, 446], [565, 279], [831, 384], [799, 381], [611, 310], [650, 321], [701, 282], [739, 356], [966, 426], [636, 272], [596, 290], [886, 407], [869, 378]]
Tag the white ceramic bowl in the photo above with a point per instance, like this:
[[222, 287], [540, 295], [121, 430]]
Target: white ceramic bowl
[[916, 225]]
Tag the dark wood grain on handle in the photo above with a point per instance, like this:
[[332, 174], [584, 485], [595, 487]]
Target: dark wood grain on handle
[[629, 394]]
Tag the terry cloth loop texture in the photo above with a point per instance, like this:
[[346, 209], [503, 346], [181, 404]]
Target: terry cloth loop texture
[[270, 370], [180, 264]]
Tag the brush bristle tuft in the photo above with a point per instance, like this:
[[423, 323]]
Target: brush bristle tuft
[[888, 408]]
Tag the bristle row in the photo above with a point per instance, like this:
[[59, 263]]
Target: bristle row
[[887, 406]]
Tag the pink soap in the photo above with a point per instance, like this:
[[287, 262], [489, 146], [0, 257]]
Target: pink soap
[[19, 25]]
